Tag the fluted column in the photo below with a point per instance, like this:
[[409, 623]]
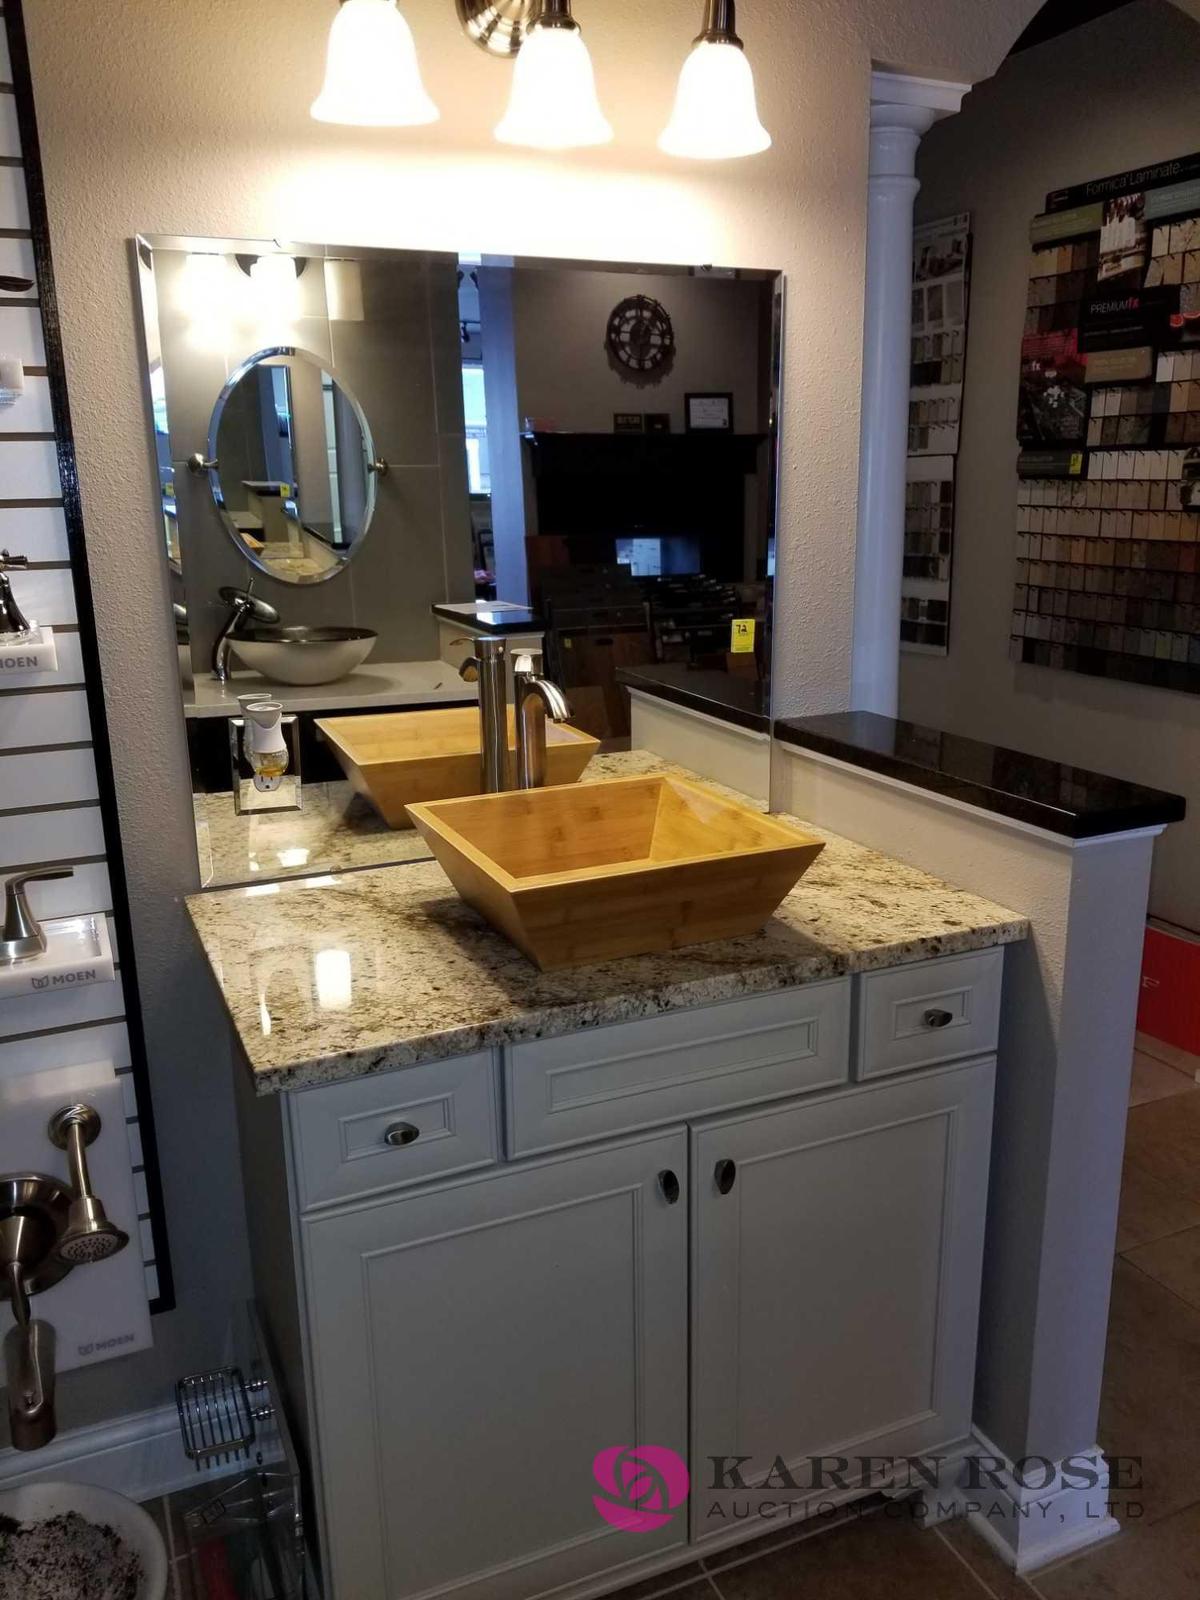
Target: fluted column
[[903, 109]]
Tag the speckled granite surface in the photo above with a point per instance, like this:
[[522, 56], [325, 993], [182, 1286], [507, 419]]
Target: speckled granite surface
[[332, 977], [336, 830]]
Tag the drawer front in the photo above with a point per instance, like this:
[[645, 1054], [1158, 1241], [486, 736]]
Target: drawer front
[[932, 1011], [683, 1064], [394, 1129]]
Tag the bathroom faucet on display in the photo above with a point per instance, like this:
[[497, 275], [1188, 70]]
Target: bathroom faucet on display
[[242, 603], [47, 1228], [23, 936], [537, 698], [13, 621]]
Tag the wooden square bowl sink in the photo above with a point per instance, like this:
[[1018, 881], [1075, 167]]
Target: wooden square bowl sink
[[404, 757], [625, 868]]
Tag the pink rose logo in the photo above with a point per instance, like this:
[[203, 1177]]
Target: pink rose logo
[[641, 1486]]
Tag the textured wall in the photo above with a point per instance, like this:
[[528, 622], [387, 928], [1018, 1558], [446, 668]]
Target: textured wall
[[169, 116], [1140, 64]]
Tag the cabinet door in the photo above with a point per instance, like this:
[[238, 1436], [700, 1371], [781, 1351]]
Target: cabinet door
[[474, 1347], [835, 1282]]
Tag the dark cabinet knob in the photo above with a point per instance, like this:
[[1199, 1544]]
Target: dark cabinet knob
[[401, 1133], [724, 1174], [668, 1185], [938, 1019]]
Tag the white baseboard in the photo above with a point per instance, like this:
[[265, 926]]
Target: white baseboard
[[1028, 1527], [140, 1456]]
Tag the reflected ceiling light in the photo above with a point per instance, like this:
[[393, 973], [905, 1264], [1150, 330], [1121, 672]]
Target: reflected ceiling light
[[372, 79], [554, 104], [716, 111], [344, 291], [276, 281]]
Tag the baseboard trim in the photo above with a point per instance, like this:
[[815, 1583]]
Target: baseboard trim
[[1030, 1527], [139, 1455]]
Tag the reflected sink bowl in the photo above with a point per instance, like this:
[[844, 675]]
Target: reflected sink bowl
[[406, 757], [631, 867], [304, 655]]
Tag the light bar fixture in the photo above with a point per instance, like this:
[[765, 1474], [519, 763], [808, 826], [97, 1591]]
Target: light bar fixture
[[372, 79], [716, 110], [554, 105]]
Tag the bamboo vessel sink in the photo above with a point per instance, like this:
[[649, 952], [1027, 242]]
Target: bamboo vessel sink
[[631, 867], [404, 757]]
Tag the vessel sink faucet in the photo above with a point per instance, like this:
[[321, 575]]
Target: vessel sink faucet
[[486, 668], [242, 603], [537, 698]]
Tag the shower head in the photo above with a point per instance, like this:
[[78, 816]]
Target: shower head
[[88, 1235]]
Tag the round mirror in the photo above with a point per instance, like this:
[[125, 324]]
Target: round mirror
[[292, 466]]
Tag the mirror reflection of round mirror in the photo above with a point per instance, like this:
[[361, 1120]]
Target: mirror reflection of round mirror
[[294, 471]]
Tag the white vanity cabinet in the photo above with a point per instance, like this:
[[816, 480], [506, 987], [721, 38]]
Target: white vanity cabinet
[[749, 1229], [474, 1347]]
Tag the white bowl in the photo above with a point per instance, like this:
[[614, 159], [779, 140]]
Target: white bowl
[[37, 1502], [304, 656]]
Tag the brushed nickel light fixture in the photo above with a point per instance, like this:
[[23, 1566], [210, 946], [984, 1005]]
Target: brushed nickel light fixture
[[372, 79], [497, 26], [554, 105], [716, 109]]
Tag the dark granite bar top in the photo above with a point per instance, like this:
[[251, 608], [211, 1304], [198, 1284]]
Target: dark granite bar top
[[488, 617], [1048, 794], [729, 696]]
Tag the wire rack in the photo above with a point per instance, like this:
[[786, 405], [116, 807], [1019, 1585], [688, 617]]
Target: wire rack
[[217, 1416]]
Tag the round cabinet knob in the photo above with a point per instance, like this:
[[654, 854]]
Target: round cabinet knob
[[668, 1185], [401, 1133], [724, 1174], [938, 1019]]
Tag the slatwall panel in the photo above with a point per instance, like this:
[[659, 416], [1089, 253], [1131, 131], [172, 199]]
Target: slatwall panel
[[56, 800]]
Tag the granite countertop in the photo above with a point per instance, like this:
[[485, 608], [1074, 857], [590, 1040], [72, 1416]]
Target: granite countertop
[[379, 684], [333, 977], [336, 831]]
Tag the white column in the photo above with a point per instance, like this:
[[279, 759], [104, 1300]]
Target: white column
[[903, 109]]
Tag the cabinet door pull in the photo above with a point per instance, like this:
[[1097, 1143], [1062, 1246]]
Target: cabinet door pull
[[724, 1173], [401, 1133], [938, 1018], [668, 1183]]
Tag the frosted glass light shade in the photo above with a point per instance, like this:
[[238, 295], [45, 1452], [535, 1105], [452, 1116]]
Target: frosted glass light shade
[[716, 110], [372, 79], [276, 289], [554, 104]]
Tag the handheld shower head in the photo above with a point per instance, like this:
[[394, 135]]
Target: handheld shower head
[[88, 1235]]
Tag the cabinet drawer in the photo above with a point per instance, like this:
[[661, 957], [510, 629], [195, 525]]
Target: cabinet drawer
[[932, 1011], [442, 1118], [683, 1064]]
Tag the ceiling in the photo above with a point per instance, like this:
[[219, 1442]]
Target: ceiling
[[1060, 16]]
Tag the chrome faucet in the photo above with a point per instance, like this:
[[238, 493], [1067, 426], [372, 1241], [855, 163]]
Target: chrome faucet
[[486, 668], [242, 603], [537, 698]]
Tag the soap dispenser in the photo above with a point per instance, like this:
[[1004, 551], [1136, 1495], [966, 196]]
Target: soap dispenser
[[264, 745]]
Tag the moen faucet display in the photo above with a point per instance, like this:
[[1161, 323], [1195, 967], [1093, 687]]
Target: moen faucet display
[[47, 1228]]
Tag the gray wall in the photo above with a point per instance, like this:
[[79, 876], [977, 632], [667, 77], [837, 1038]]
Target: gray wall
[[1116, 94], [401, 363], [564, 372]]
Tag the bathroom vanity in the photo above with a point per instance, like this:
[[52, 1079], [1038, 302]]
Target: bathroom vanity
[[727, 1200]]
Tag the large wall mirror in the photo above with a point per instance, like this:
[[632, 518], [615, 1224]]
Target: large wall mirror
[[367, 457]]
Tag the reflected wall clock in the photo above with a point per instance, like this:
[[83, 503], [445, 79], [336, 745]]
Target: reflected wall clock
[[640, 337]]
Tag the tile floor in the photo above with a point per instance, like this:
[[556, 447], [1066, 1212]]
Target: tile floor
[[1150, 1408]]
